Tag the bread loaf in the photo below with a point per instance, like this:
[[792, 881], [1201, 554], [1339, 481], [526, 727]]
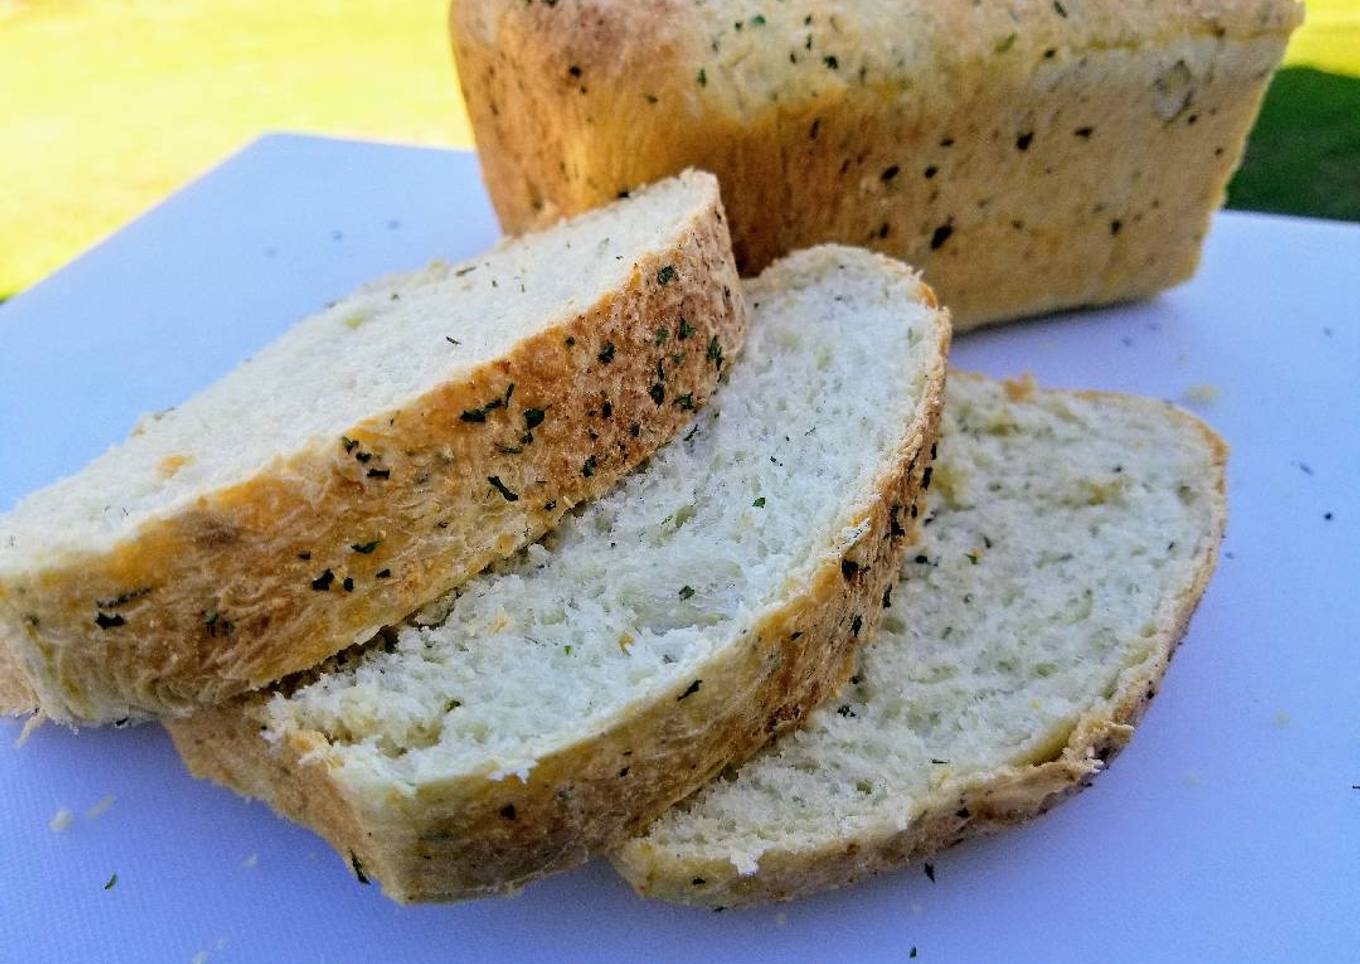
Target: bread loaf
[[1028, 155]]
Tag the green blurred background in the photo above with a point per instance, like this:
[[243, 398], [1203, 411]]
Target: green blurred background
[[106, 106]]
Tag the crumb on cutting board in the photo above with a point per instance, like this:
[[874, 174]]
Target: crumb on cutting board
[[1203, 394], [61, 820], [98, 809]]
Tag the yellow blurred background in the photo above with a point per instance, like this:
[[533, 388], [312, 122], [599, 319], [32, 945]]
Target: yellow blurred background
[[106, 107]]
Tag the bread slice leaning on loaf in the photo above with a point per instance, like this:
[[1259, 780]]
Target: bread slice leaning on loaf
[[1026, 155], [670, 628], [1070, 537], [370, 459]]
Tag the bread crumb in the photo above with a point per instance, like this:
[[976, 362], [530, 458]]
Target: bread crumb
[[916, 908], [221, 944], [1282, 719], [1203, 395], [251, 861], [61, 822], [782, 918], [30, 727], [104, 804], [1193, 779], [200, 958], [1019, 389]]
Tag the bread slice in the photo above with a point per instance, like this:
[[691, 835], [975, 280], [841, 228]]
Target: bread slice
[[1026, 156], [376, 455], [668, 629], [1069, 539]]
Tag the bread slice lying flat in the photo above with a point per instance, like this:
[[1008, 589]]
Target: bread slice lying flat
[[1069, 539], [369, 460], [666, 630], [1025, 154]]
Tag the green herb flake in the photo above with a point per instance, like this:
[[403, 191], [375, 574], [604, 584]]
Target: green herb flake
[[588, 467], [606, 354], [499, 486], [105, 621], [358, 867], [686, 401], [974, 556], [686, 329], [365, 548], [686, 592], [1006, 43], [658, 393], [661, 335], [715, 352], [759, 503], [912, 954], [473, 415], [758, 20], [112, 882], [666, 275], [533, 418], [691, 690], [702, 78], [930, 872], [349, 443], [322, 583]]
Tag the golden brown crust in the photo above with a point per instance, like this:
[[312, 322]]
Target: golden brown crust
[[406, 505], [968, 807], [475, 837], [16, 696], [1025, 160]]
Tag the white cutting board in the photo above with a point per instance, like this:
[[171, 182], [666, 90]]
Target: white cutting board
[[1229, 830]]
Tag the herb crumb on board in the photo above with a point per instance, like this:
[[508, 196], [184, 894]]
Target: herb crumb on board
[[61, 821], [98, 809]]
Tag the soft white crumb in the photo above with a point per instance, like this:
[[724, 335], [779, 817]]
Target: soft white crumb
[[1282, 719], [200, 958], [105, 802], [251, 861], [1202, 395], [221, 944], [782, 918], [61, 821], [1193, 779], [916, 908]]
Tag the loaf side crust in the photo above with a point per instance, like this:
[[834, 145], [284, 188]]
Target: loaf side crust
[[1026, 161], [961, 808], [407, 504], [476, 836]]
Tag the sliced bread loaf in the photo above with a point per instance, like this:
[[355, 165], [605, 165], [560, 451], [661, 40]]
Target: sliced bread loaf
[[1027, 155], [666, 630], [376, 455], [1069, 539]]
